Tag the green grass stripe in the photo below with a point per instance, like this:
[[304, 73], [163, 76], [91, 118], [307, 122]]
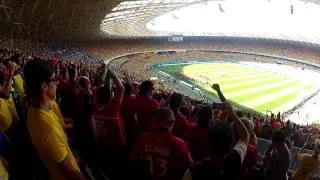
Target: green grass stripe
[[214, 72], [235, 76], [289, 104], [229, 69], [240, 77], [259, 88], [229, 79], [269, 97], [245, 85], [236, 86], [271, 105], [309, 87], [249, 96], [207, 67]]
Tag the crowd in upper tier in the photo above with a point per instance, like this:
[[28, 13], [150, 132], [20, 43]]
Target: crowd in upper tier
[[64, 119]]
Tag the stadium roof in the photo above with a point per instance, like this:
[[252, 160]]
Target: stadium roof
[[81, 20]]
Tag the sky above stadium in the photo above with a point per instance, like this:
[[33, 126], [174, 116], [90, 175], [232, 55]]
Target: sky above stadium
[[276, 19]]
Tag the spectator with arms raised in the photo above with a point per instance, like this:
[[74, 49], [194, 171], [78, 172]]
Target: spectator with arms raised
[[112, 138]]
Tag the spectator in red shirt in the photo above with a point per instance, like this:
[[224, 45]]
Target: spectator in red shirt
[[224, 161], [180, 128], [252, 155], [198, 134], [67, 94], [135, 89], [166, 156], [145, 106], [63, 80], [127, 112], [110, 127]]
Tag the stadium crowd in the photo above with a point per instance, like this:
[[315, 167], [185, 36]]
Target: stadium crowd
[[63, 119]]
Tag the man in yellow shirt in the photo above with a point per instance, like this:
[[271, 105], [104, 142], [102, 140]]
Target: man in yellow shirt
[[66, 123], [44, 126], [309, 164]]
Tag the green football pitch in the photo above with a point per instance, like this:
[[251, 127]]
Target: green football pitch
[[253, 88]]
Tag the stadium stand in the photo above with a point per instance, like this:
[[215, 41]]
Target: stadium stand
[[83, 111], [81, 97]]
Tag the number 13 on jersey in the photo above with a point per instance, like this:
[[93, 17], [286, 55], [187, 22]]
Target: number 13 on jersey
[[157, 166]]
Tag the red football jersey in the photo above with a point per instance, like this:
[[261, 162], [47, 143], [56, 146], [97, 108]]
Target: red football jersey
[[128, 115], [249, 161], [127, 107], [166, 155], [198, 142], [110, 126], [180, 128], [144, 108]]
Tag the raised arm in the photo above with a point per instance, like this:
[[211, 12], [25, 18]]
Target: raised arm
[[238, 125], [118, 84], [216, 87], [308, 141]]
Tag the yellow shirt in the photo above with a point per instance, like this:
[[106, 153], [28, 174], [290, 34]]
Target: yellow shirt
[[56, 110], [308, 165], [3, 172], [18, 86], [50, 140], [5, 115], [12, 108]]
